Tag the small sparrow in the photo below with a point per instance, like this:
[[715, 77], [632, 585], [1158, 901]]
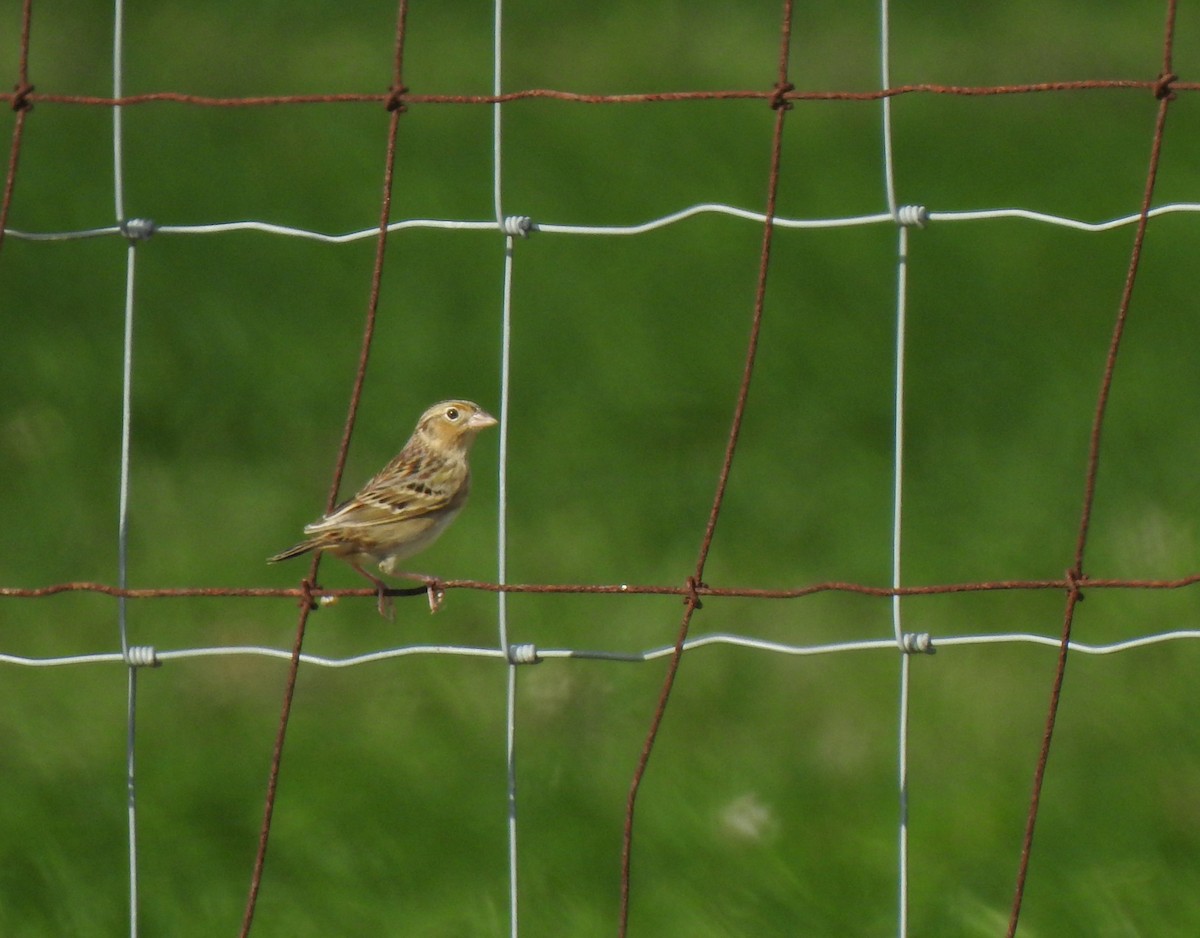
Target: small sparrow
[[406, 506]]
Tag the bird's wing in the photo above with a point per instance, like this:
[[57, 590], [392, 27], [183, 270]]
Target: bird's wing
[[407, 489]]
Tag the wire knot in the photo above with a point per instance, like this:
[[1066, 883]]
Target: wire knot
[[523, 654], [307, 600], [912, 216], [917, 643], [779, 96], [20, 101], [517, 226], [395, 99], [142, 656], [138, 229], [1075, 580], [692, 597], [1162, 86]]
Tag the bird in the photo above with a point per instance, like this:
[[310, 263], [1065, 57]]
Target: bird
[[411, 501]]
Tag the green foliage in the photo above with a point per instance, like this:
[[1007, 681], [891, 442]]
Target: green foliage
[[770, 805]]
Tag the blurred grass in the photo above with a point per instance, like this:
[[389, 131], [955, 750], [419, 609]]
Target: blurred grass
[[770, 806]]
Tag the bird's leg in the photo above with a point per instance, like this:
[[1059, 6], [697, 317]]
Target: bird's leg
[[384, 605]]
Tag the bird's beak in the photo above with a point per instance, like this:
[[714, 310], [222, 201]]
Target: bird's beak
[[480, 420]]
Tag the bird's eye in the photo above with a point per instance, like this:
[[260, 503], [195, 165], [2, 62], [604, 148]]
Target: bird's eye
[[452, 413]]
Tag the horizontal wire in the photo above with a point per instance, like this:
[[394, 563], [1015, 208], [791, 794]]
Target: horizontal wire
[[631, 589], [1123, 221], [706, 208], [692, 644], [27, 96]]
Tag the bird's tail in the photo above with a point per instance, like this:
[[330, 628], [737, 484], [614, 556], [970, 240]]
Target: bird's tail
[[302, 548]]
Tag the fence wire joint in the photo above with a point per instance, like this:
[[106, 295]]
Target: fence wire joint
[[142, 656], [912, 216], [523, 654], [917, 643], [138, 229], [517, 226]]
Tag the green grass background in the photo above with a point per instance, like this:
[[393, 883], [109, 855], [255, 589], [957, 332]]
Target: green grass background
[[770, 807]]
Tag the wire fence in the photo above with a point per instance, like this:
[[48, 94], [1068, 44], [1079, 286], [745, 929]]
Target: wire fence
[[694, 589]]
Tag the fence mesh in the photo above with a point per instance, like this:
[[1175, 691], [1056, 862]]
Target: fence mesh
[[913, 471]]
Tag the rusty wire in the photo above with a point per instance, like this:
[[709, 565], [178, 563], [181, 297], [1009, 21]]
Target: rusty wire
[[691, 600], [702, 590], [395, 111], [1164, 93], [21, 101], [771, 94]]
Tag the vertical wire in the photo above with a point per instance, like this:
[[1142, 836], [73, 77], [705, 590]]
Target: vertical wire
[[885, 68], [123, 582], [497, 49], [118, 91], [505, 339], [510, 708], [501, 596], [902, 846], [1075, 575], [898, 474], [123, 498], [898, 429], [897, 622]]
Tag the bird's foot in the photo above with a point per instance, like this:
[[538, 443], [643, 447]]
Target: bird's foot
[[436, 595], [386, 607]]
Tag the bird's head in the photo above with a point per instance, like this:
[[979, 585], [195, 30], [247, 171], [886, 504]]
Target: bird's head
[[453, 424]]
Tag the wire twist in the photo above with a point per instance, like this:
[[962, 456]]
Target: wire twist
[[142, 656], [523, 654], [912, 216], [517, 226], [138, 229], [917, 643]]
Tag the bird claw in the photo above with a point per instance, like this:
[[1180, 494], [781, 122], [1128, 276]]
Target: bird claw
[[436, 595], [385, 605]]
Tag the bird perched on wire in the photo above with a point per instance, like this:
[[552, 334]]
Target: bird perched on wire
[[409, 503]]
